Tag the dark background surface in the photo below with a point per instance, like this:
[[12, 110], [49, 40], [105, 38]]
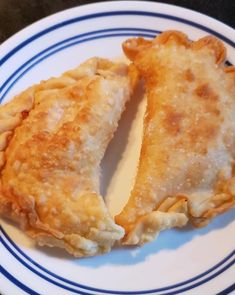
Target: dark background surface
[[17, 14]]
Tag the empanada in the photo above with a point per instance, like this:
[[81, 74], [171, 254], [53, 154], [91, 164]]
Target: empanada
[[186, 165], [52, 139]]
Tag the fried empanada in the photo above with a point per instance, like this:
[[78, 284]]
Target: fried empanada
[[52, 139], [187, 156]]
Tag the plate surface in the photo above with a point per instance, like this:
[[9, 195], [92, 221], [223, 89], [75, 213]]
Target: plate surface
[[193, 261]]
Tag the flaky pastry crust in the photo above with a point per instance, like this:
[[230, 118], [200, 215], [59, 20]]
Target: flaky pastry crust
[[52, 139], [187, 155]]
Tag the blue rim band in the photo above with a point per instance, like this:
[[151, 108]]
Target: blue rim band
[[139, 31], [228, 290], [221, 263], [45, 55], [38, 273], [71, 21], [113, 13], [16, 282]]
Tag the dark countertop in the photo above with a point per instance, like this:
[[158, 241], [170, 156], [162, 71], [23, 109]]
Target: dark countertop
[[17, 14]]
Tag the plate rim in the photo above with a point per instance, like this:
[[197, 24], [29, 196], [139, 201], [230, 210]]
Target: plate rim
[[101, 4], [112, 5], [229, 260]]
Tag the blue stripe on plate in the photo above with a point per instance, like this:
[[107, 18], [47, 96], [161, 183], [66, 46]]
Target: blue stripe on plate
[[231, 263], [228, 290], [113, 13], [16, 282], [139, 32], [38, 273], [215, 267], [57, 50]]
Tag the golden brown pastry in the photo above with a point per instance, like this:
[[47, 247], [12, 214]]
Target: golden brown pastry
[[52, 139], [187, 157]]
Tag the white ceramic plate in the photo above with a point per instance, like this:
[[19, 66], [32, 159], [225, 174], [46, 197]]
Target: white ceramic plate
[[193, 261]]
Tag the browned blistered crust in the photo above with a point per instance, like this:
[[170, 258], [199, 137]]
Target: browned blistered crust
[[189, 135], [52, 139]]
